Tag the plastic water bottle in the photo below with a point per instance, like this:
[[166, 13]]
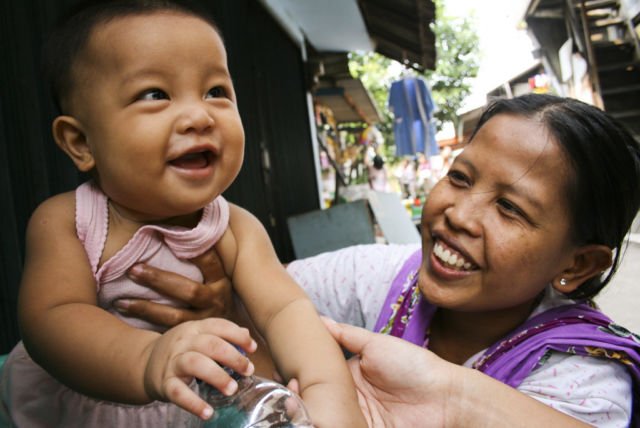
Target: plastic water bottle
[[258, 403]]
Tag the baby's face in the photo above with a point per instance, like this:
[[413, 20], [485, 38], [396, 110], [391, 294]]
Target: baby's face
[[157, 106]]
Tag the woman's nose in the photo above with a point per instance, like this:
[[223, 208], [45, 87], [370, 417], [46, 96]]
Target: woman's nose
[[464, 214], [195, 117]]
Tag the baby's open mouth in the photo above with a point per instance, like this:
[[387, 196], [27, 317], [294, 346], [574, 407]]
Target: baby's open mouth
[[193, 160]]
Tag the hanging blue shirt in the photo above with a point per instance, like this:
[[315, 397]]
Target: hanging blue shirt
[[414, 130]]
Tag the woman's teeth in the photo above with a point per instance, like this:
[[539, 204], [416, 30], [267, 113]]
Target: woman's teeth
[[450, 258]]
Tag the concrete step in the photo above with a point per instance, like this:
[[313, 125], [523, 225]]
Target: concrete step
[[629, 90], [613, 52], [625, 114], [599, 4], [606, 22], [619, 77], [622, 65]]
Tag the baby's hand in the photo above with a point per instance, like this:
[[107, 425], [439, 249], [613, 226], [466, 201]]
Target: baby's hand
[[194, 349]]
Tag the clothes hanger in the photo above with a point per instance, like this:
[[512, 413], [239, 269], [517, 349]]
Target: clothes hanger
[[408, 73]]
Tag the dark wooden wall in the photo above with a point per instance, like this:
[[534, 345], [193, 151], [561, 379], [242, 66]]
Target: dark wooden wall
[[269, 77]]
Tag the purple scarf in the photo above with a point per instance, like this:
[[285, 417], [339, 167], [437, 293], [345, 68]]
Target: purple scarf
[[575, 329]]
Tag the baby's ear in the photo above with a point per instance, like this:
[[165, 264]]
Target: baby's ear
[[70, 137], [588, 261]]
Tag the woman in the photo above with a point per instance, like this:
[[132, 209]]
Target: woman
[[527, 226]]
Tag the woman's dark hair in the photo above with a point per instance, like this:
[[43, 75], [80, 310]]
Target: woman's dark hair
[[604, 191], [70, 36]]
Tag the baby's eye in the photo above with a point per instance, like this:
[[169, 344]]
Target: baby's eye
[[216, 92], [153, 95]]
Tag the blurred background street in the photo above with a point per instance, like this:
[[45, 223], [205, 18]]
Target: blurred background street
[[621, 298]]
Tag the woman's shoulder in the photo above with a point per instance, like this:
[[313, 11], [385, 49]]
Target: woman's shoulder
[[350, 284], [594, 390], [376, 257]]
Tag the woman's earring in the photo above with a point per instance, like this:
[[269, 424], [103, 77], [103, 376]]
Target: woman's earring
[[563, 282]]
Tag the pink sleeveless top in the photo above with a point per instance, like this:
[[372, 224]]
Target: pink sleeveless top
[[166, 247], [29, 396]]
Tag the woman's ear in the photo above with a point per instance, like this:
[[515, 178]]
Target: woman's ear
[[588, 261], [70, 137]]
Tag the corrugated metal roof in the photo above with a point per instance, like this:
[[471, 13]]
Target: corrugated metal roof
[[348, 100], [398, 29], [401, 30]]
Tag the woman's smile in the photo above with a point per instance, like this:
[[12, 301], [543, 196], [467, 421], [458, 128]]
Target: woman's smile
[[451, 258]]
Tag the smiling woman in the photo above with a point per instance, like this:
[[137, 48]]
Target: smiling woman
[[515, 240]]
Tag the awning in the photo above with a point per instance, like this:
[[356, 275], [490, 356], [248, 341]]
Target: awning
[[348, 100], [401, 30], [398, 29]]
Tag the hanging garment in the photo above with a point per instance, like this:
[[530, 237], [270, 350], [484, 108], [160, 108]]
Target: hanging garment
[[412, 106]]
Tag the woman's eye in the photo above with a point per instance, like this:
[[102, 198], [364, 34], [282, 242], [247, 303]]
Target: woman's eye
[[216, 92], [153, 95], [510, 208]]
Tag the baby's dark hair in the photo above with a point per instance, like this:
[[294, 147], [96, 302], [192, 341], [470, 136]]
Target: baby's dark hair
[[70, 37], [604, 190]]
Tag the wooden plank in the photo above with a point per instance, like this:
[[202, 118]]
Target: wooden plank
[[393, 219]]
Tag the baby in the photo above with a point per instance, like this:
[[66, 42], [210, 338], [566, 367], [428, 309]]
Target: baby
[[149, 110]]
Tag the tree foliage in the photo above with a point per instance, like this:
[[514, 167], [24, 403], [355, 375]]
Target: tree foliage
[[377, 73], [457, 62]]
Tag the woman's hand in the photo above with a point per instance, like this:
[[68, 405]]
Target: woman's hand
[[398, 383], [401, 384], [213, 298]]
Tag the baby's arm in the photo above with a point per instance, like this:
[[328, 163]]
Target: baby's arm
[[300, 344], [92, 351]]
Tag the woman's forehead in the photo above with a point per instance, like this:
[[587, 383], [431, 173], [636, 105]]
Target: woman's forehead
[[512, 150], [516, 136]]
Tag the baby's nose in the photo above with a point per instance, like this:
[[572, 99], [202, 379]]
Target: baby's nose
[[195, 117]]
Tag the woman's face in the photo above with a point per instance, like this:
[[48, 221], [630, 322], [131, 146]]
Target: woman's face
[[496, 228]]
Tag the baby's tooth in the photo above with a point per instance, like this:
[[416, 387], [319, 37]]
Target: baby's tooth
[[459, 262]]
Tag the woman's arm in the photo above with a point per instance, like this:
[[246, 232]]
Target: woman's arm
[[92, 351], [300, 344], [348, 285], [211, 298], [595, 390], [400, 384]]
